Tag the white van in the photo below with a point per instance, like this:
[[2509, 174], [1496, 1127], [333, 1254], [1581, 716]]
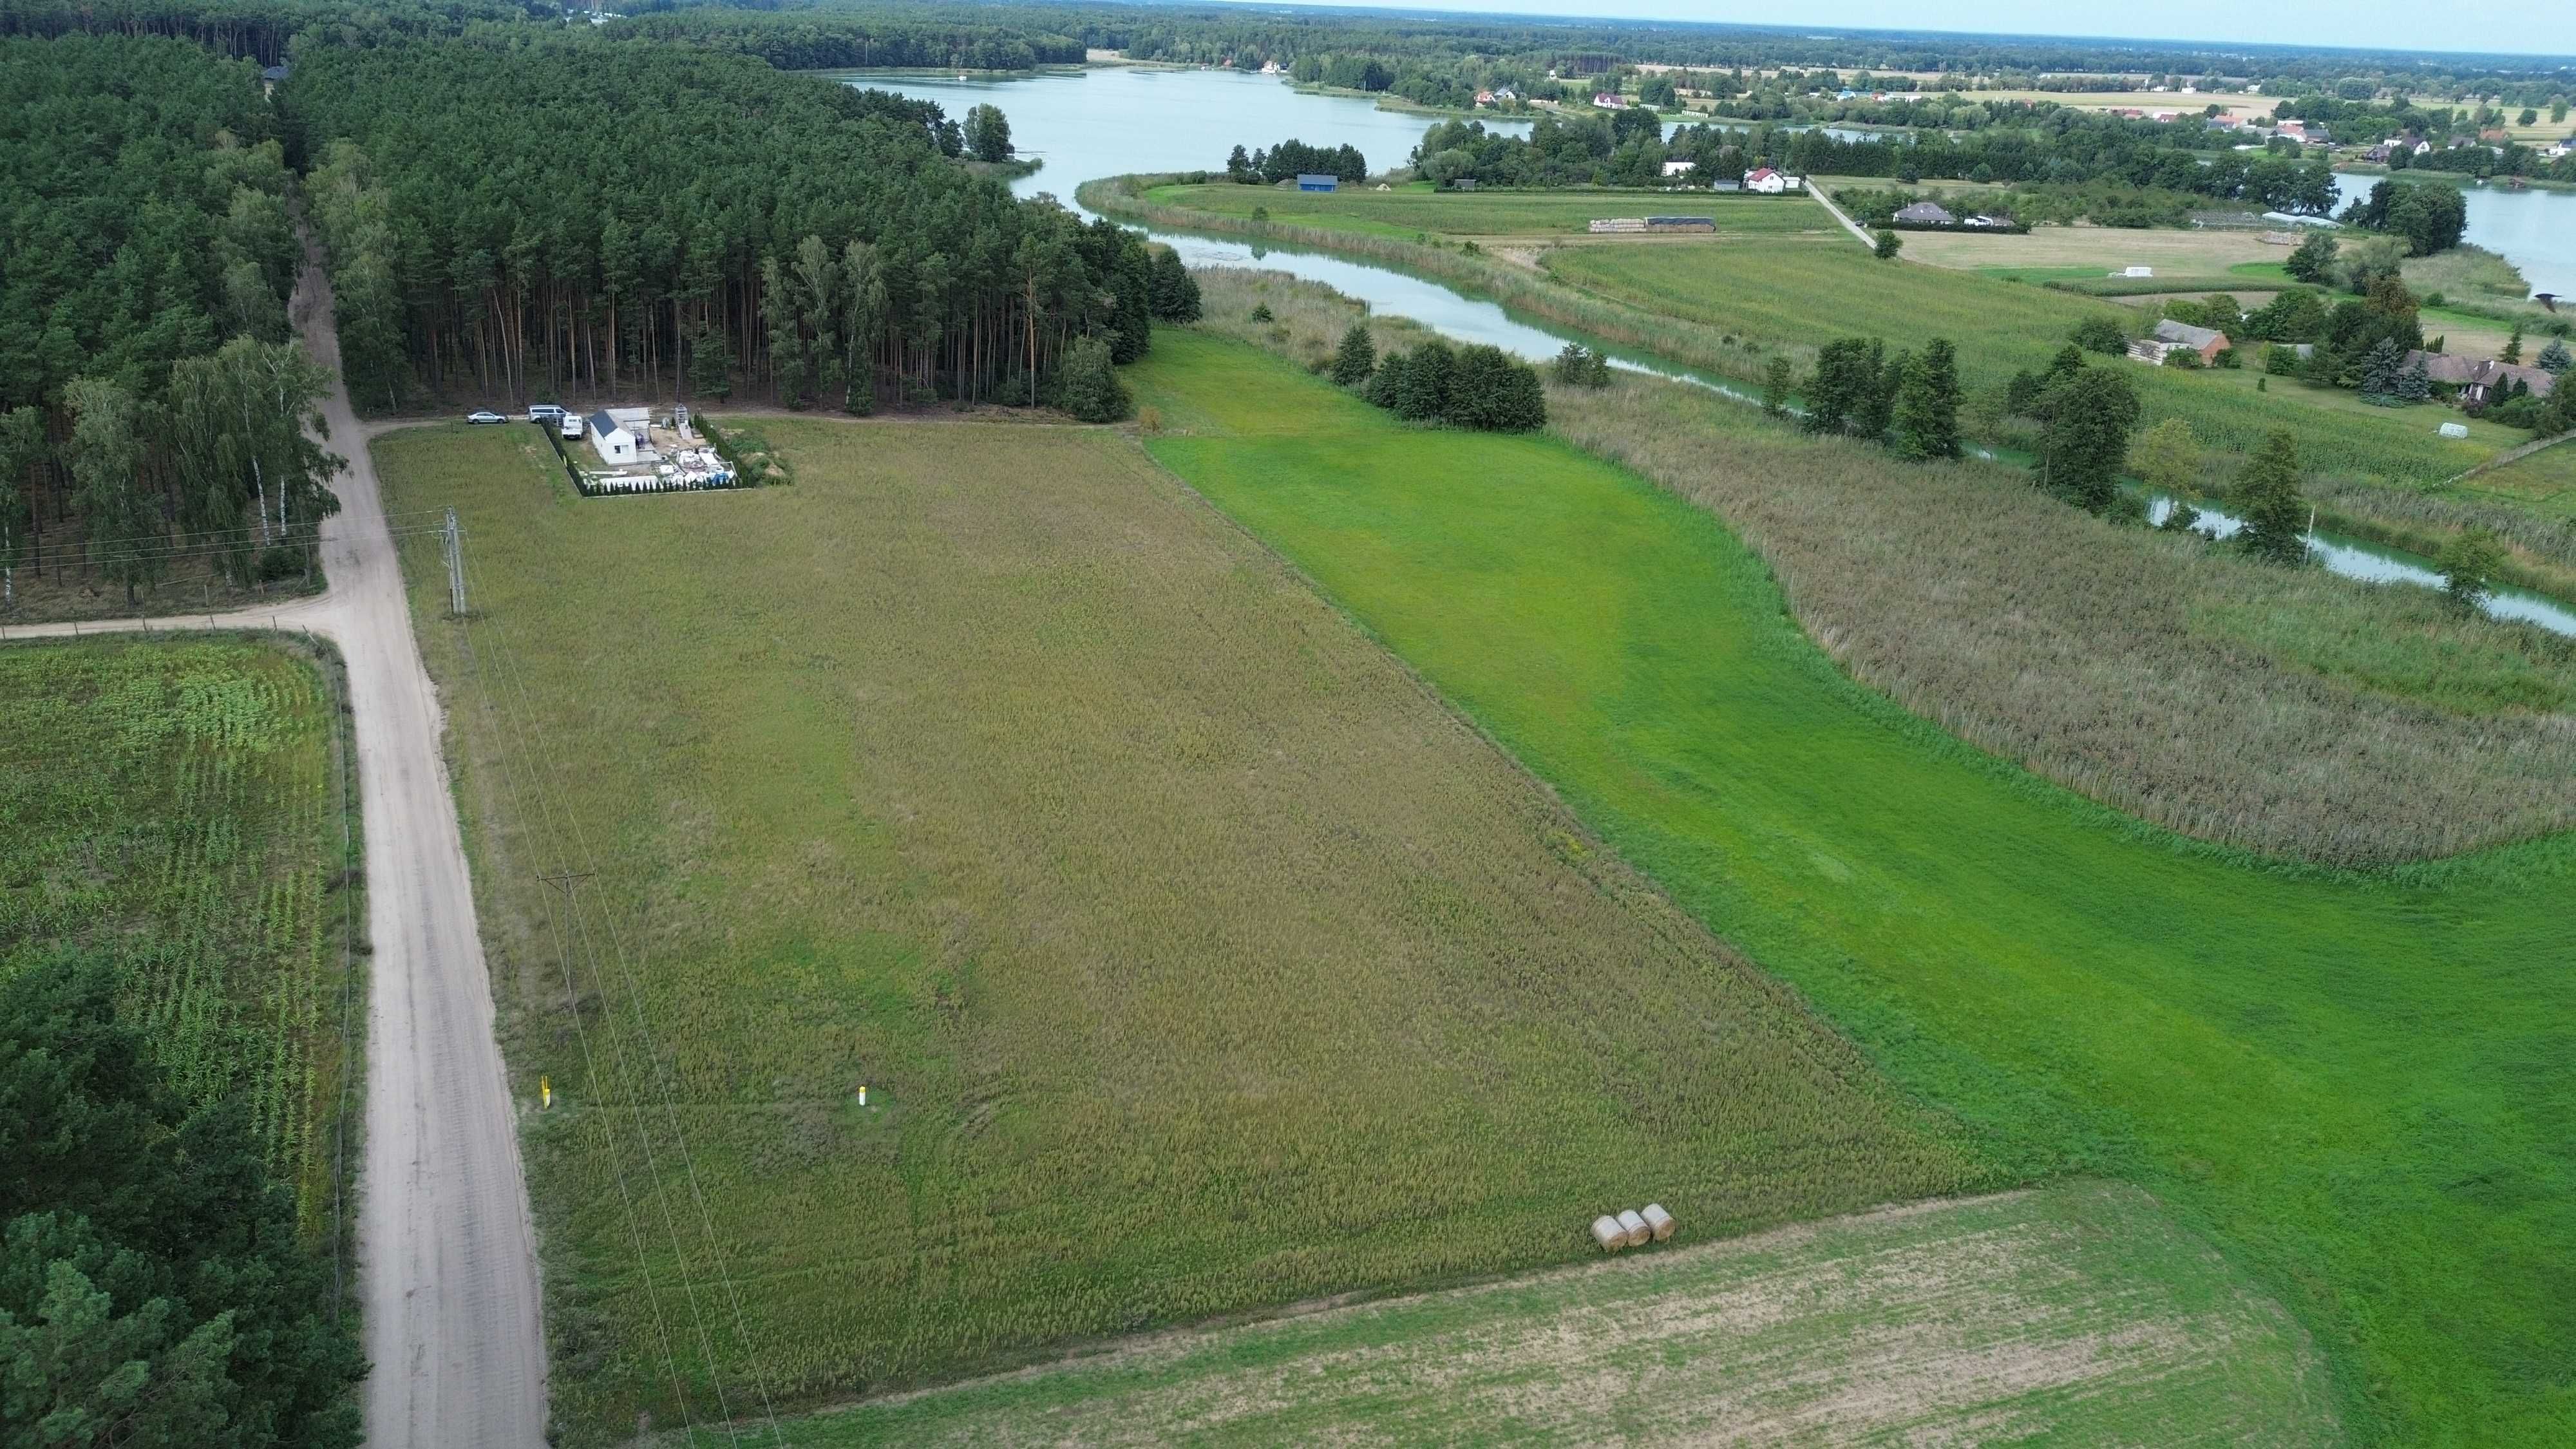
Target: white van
[[544, 412], [571, 425]]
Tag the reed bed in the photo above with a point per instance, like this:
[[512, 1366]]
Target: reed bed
[[1195, 959], [2291, 713], [171, 804]]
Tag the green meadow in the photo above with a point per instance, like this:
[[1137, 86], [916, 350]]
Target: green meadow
[[1417, 210], [2362, 1085]]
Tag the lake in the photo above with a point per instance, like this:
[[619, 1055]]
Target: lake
[[1118, 121], [2535, 230]]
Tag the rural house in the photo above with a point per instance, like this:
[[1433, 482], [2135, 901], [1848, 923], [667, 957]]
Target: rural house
[[2481, 380], [1924, 213], [1769, 182]]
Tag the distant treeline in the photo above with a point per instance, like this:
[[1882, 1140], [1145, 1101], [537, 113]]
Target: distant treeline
[[260, 29], [2069, 149], [829, 40]]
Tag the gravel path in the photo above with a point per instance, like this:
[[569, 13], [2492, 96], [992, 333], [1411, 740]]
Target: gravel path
[[446, 1252]]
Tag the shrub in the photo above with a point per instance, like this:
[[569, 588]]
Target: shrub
[[1087, 383], [2100, 334], [2468, 567], [1493, 392]]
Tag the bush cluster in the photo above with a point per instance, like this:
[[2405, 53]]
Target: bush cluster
[[1478, 387]]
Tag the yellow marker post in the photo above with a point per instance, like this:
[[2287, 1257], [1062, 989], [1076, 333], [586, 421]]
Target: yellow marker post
[[863, 1096], [545, 1093]]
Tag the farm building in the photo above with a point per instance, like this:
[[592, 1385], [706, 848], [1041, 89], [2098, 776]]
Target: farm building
[[1310, 181], [1679, 168], [2207, 341], [616, 440]]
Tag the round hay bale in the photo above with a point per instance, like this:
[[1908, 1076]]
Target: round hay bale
[[1610, 1233], [1638, 1232], [1659, 1220]]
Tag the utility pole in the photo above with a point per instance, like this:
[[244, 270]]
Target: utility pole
[[451, 542]]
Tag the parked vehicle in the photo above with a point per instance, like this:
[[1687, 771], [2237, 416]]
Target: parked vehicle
[[544, 412], [571, 425], [485, 416]]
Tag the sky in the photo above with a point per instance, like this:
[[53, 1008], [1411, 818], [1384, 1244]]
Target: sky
[[2516, 27]]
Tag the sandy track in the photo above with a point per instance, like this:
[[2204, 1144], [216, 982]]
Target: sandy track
[[446, 1253]]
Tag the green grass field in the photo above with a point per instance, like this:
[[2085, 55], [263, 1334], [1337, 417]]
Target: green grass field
[[2075, 1315], [2544, 483], [1418, 210], [2360, 1083], [173, 805], [1799, 296], [1195, 958]]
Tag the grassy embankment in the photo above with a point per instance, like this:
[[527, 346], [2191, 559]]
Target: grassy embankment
[[1195, 958], [1725, 309], [2072, 1315], [2408, 729], [2358, 1082], [179, 806]]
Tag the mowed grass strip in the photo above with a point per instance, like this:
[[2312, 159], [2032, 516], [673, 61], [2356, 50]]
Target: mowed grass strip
[[170, 804], [1194, 957], [2075, 1315], [2361, 1084], [1797, 296], [1415, 210]]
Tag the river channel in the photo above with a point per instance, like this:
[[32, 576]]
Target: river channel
[[1118, 121]]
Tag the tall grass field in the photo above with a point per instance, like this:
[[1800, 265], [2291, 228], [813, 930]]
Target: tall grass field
[[2359, 1083], [1194, 958], [176, 805]]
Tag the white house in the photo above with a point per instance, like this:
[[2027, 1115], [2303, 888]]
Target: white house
[[1609, 101], [614, 441], [1769, 182]]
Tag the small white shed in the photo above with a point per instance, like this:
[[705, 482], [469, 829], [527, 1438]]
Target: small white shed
[[613, 440]]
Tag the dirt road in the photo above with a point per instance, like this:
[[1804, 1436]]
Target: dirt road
[[447, 1265]]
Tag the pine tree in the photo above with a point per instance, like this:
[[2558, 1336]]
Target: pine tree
[[1356, 359], [2380, 369], [128, 539], [1927, 403], [2267, 494], [2554, 358], [2513, 345]]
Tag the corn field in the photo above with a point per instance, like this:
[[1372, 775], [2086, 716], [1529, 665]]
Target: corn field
[[173, 805]]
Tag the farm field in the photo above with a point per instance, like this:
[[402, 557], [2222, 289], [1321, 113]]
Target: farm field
[[1414, 210], [174, 805], [2091, 251], [1795, 296], [2076, 1314], [1194, 958], [2357, 1082]]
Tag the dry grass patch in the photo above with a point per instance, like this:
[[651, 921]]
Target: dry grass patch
[[2079, 1314]]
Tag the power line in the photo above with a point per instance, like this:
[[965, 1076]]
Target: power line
[[507, 663], [496, 648]]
